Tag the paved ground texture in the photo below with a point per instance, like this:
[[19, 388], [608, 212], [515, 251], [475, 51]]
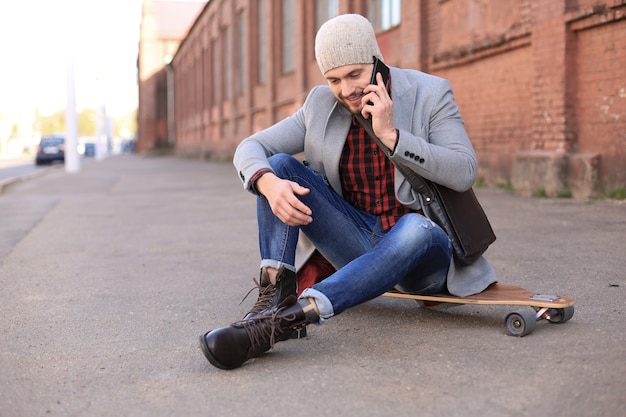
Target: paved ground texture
[[108, 276]]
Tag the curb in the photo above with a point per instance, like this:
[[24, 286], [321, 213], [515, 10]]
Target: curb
[[7, 182]]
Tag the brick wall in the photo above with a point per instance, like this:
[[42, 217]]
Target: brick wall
[[600, 99], [540, 83], [495, 100]]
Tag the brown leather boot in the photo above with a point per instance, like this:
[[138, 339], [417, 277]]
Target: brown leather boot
[[270, 294], [229, 347]]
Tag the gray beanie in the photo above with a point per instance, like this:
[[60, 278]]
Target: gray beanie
[[345, 40]]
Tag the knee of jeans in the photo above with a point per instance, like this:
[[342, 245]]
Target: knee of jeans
[[415, 230], [411, 223]]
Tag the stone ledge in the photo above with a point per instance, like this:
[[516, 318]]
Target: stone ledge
[[584, 175], [556, 174]]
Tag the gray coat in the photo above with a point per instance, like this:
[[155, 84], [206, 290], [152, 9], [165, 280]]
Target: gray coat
[[433, 141]]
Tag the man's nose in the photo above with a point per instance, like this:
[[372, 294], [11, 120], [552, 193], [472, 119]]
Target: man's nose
[[347, 88]]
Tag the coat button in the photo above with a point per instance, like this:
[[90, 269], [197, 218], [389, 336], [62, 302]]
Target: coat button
[[421, 160]]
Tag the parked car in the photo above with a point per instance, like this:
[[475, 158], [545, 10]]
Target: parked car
[[51, 148]]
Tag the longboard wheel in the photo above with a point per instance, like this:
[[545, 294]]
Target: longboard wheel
[[561, 315], [520, 323]]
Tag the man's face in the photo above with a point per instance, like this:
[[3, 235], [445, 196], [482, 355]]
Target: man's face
[[347, 84]]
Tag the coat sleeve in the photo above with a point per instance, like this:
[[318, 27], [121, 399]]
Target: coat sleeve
[[286, 136], [438, 147]]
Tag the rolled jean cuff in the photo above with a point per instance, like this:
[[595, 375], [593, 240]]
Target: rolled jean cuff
[[323, 303], [270, 263]]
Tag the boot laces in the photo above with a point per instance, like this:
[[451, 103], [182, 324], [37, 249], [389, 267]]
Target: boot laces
[[262, 330], [265, 298]]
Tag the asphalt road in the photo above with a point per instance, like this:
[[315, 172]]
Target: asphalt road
[[108, 276], [15, 168], [18, 165]]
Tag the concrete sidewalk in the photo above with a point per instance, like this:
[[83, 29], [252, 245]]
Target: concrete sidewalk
[[108, 277]]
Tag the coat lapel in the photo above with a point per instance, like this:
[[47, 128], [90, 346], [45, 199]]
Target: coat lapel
[[335, 134], [403, 96]]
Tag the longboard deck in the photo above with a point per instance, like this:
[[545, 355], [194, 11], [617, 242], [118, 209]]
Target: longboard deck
[[553, 308], [496, 294]]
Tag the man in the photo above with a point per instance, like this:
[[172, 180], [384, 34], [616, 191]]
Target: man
[[347, 198]]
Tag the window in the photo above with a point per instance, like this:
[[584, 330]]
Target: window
[[206, 66], [288, 17], [325, 10], [199, 77], [241, 51], [261, 43], [227, 48], [217, 71], [384, 14]]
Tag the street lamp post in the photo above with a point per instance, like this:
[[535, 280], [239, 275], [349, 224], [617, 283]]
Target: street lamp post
[[72, 163]]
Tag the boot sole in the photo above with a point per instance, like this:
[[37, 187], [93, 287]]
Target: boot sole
[[209, 355]]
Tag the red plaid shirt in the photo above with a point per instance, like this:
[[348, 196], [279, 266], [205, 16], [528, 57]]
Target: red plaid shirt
[[367, 178]]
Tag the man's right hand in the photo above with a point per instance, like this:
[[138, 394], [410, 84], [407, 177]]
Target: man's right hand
[[282, 197]]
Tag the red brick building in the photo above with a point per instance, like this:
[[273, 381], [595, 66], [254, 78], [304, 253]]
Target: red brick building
[[541, 84], [163, 26]]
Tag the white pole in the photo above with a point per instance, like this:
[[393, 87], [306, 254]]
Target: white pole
[[72, 163], [101, 146], [109, 133], [101, 141]]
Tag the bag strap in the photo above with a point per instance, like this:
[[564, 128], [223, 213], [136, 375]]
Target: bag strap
[[418, 183]]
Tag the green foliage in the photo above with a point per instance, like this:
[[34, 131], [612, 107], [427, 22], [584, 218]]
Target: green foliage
[[49, 124], [480, 183], [616, 194], [87, 120], [506, 186]]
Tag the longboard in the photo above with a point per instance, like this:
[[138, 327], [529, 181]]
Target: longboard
[[553, 308]]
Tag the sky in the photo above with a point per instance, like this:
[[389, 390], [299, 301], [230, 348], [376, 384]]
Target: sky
[[40, 38]]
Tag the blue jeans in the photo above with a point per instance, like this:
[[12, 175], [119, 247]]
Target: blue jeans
[[413, 256]]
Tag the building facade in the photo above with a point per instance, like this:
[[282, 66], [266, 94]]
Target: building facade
[[541, 84], [163, 26]]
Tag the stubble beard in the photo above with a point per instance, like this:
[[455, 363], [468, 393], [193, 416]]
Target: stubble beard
[[353, 109]]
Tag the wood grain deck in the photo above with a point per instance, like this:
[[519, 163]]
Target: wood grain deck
[[497, 294]]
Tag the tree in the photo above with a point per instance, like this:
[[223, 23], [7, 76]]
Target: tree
[[49, 124]]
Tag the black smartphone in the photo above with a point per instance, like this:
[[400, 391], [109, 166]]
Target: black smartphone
[[379, 66]]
